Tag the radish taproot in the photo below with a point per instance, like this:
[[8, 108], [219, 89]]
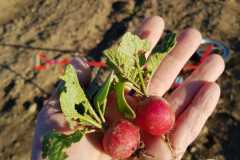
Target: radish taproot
[[122, 140], [155, 116]]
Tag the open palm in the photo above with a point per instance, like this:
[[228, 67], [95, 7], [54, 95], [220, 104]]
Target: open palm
[[193, 102]]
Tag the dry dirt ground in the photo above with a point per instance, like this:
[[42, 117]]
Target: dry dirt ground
[[63, 28]]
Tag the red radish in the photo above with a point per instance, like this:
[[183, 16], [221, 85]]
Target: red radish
[[122, 140], [155, 116]]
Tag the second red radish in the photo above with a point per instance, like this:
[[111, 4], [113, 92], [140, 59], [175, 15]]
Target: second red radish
[[122, 140]]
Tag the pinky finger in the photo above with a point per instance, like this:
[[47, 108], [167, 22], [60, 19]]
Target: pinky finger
[[190, 122]]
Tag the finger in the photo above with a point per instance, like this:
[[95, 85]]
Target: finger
[[189, 124], [187, 44], [208, 71], [156, 147], [151, 29]]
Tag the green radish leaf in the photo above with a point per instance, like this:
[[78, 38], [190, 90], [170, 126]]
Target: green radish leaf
[[153, 62], [74, 103], [132, 44], [100, 99], [142, 59], [166, 44], [159, 53], [54, 144], [122, 105], [124, 66], [126, 58]]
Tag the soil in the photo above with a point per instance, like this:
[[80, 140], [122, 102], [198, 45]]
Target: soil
[[79, 27]]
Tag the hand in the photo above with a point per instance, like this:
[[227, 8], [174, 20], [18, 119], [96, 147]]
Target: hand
[[193, 102]]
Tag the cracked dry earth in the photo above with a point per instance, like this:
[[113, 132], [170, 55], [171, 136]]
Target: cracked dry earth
[[64, 28]]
